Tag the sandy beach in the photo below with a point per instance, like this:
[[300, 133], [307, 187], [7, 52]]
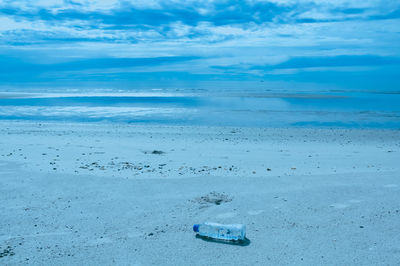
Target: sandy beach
[[121, 194], [130, 128]]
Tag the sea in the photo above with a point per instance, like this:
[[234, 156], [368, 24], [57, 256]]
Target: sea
[[261, 108]]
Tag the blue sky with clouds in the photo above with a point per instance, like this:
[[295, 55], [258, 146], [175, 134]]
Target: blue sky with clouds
[[285, 44]]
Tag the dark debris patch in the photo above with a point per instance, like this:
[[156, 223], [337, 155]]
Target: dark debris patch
[[157, 152], [154, 152], [8, 251], [213, 198]]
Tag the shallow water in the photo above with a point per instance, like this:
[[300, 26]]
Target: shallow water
[[258, 110]]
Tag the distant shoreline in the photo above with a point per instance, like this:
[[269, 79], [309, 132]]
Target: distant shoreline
[[4, 95]]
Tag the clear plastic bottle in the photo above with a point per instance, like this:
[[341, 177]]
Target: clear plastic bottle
[[221, 231]]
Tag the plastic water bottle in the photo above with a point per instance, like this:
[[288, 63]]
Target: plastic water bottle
[[221, 231]]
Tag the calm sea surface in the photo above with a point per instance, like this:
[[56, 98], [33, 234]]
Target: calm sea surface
[[371, 110]]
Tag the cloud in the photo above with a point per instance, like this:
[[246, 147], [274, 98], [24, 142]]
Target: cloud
[[57, 39], [335, 61], [12, 68]]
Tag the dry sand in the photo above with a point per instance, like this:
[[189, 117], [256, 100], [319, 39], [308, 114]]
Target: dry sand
[[113, 194]]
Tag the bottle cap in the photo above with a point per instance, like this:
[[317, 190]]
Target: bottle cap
[[196, 227]]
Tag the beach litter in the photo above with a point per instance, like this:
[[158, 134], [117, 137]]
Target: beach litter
[[217, 231]]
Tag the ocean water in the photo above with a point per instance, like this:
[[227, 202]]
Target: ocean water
[[266, 109]]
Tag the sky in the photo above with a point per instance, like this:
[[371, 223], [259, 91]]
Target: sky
[[277, 44]]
